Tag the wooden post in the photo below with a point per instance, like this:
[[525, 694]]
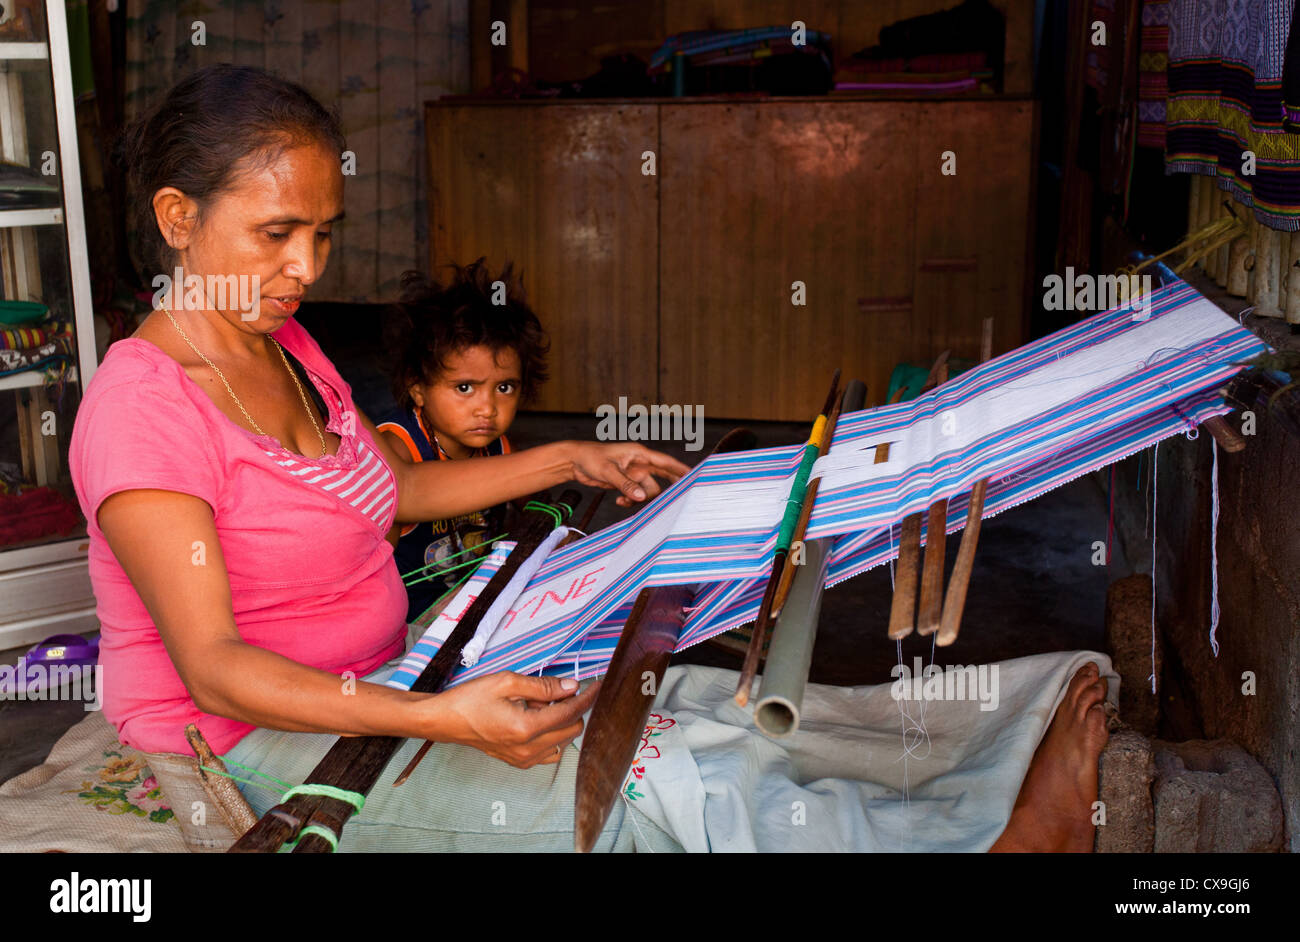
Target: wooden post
[[1210, 210]]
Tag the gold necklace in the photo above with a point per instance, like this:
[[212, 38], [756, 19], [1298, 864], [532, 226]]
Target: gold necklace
[[222, 376]]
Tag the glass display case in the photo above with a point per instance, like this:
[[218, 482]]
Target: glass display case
[[47, 338]]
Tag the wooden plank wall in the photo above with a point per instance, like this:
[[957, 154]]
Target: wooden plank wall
[[678, 287], [558, 190], [756, 197], [568, 38]]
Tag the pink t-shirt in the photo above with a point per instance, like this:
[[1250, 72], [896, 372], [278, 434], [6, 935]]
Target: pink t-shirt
[[311, 575]]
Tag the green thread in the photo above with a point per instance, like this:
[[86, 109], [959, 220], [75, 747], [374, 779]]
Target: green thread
[[447, 569], [558, 512], [439, 599], [246, 781], [431, 573], [355, 799], [322, 832]]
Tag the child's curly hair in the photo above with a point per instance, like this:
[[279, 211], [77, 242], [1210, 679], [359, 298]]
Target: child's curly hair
[[434, 322]]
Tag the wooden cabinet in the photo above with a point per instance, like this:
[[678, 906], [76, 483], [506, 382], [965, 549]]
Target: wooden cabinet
[[558, 190], [680, 287]]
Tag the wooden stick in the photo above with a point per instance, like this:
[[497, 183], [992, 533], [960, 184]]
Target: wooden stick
[[955, 601], [801, 526], [584, 525], [785, 537], [936, 543], [570, 538], [629, 690], [902, 612], [1228, 437], [354, 763]]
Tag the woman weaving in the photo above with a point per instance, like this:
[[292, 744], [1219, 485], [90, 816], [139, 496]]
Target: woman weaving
[[237, 530]]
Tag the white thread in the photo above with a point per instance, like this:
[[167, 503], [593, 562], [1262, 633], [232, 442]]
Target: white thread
[[632, 814], [912, 735], [1155, 506], [509, 595], [891, 572], [1214, 548]]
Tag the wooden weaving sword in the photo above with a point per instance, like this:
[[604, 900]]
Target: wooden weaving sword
[[631, 684]]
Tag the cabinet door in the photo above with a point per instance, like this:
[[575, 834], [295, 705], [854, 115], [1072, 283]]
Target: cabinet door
[[758, 196], [972, 226], [558, 190]]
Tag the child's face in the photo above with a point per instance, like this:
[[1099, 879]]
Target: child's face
[[473, 401]]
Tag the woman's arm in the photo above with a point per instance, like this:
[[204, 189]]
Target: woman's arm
[[153, 535], [435, 490]]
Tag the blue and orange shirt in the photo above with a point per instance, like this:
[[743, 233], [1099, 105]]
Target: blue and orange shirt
[[434, 542]]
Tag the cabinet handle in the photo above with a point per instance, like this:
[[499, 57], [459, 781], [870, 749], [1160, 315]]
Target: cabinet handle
[[881, 304], [957, 263]]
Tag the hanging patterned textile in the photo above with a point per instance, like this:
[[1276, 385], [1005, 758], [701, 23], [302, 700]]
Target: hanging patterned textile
[[1029, 421], [1153, 67], [1226, 102]]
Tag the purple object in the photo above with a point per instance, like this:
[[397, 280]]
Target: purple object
[[56, 651], [64, 649]]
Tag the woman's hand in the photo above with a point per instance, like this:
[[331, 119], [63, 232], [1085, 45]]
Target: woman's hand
[[517, 719], [626, 467]]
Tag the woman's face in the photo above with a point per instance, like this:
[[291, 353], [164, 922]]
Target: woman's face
[[272, 228]]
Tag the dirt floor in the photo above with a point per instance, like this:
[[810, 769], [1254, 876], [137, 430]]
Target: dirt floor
[[1034, 589]]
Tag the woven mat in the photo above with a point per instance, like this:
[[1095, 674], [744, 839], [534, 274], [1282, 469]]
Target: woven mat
[[91, 795]]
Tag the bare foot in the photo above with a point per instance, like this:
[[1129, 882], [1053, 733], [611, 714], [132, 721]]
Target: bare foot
[[1053, 811]]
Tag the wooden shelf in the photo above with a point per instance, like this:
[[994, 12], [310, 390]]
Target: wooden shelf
[[18, 218], [29, 379], [27, 50]]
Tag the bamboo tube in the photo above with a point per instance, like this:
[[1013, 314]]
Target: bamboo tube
[[1193, 203], [1238, 255], [1210, 211], [1268, 275], [1292, 280], [1283, 269], [1222, 264], [1252, 261], [789, 655]]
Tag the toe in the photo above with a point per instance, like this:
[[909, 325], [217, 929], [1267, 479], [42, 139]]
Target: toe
[[1083, 677], [1091, 697]]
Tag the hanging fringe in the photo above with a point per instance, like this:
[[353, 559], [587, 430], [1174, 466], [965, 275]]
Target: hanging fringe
[[1214, 549]]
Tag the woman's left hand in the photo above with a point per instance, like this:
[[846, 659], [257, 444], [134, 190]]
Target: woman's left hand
[[626, 467]]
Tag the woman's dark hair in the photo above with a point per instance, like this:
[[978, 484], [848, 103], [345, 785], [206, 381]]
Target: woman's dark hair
[[433, 322], [213, 126]]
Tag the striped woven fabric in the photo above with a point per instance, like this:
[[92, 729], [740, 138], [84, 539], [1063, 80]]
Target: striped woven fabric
[[367, 486], [1030, 421]]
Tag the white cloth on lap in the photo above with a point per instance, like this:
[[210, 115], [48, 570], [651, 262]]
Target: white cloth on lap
[[837, 784]]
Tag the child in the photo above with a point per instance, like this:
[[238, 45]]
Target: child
[[464, 365]]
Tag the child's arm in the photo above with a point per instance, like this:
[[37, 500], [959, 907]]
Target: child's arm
[[435, 490]]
